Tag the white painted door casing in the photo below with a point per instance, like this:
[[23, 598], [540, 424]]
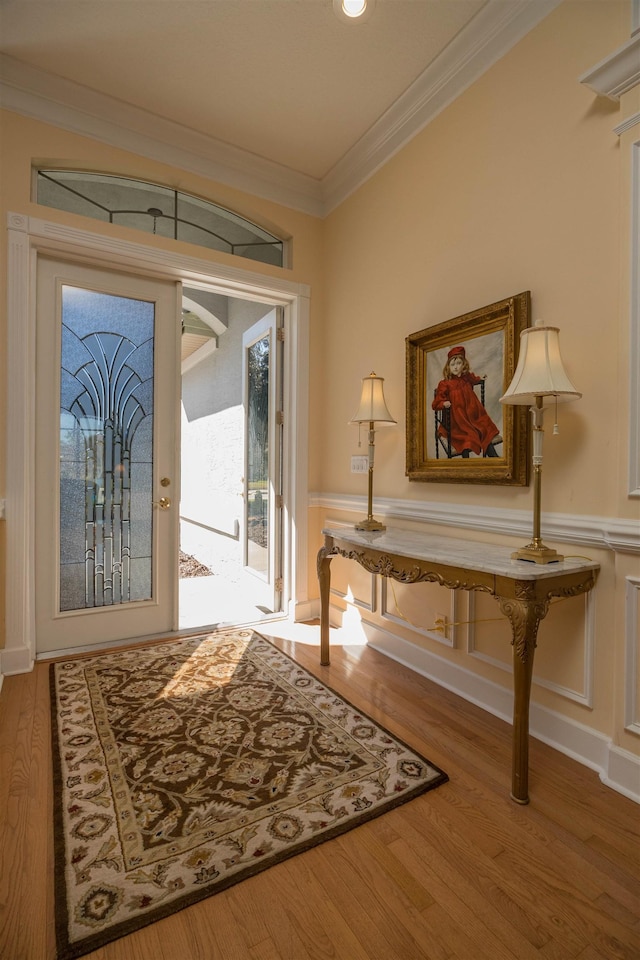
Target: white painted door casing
[[31, 237]]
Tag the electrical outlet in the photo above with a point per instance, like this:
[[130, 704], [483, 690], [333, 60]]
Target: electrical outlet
[[359, 464], [441, 624]]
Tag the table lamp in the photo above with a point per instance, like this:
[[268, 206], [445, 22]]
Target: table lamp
[[540, 379], [372, 410]]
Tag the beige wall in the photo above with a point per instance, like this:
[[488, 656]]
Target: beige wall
[[520, 184], [516, 186]]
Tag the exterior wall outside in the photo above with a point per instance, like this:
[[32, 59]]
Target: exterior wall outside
[[212, 448], [520, 184]]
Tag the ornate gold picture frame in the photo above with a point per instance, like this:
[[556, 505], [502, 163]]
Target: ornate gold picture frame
[[457, 430]]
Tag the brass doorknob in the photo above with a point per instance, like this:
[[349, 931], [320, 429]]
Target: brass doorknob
[[164, 503]]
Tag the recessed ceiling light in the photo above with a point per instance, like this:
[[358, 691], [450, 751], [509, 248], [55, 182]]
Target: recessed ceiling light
[[354, 8], [353, 11]]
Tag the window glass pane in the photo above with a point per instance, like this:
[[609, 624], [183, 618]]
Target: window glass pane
[[62, 194], [159, 210], [161, 226], [262, 252], [200, 224], [258, 456], [106, 448]]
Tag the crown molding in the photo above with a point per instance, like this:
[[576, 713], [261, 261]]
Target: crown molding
[[487, 38], [40, 95], [35, 93], [616, 74], [628, 124]]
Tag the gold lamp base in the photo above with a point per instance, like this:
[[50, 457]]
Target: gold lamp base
[[369, 524], [537, 553]]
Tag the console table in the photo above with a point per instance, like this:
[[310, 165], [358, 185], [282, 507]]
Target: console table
[[523, 591]]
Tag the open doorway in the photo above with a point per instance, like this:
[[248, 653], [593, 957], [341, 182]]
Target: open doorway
[[231, 470]]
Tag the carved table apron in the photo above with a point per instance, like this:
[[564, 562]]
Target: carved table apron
[[523, 591]]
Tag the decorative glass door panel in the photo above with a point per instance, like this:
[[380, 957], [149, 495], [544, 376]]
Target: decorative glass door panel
[[106, 568], [106, 449]]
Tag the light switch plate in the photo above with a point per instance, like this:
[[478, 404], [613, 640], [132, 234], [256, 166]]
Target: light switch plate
[[359, 464]]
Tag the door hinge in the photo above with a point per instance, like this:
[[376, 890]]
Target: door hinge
[[280, 334], [279, 501], [279, 417], [279, 584]]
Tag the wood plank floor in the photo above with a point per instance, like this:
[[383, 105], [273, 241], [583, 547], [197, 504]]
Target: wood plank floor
[[461, 872]]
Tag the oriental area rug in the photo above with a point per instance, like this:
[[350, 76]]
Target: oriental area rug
[[184, 767]]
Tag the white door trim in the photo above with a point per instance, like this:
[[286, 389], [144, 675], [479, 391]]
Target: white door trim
[[29, 237]]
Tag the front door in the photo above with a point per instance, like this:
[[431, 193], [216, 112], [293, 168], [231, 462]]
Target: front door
[[106, 456]]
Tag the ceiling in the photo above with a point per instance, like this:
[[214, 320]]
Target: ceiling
[[279, 96]]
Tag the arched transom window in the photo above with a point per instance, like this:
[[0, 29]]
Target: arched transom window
[[159, 210]]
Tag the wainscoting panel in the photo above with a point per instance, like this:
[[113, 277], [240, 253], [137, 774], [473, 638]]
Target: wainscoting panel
[[351, 583], [616, 767], [566, 668], [632, 656], [426, 609]]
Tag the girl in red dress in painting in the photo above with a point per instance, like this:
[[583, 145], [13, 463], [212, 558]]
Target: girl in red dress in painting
[[472, 429]]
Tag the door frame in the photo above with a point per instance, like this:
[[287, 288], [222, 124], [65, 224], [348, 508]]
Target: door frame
[[29, 237]]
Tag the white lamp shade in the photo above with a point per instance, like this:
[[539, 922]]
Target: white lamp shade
[[540, 371], [372, 403]]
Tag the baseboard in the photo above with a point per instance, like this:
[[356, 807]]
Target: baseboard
[[617, 768], [15, 660], [306, 610], [623, 772]]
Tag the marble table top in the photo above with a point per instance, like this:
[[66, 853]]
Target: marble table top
[[456, 552]]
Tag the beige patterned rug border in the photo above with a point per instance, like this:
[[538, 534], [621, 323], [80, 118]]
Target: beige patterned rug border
[[361, 782]]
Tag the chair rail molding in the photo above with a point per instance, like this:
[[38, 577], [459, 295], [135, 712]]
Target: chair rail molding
[[606, 533]]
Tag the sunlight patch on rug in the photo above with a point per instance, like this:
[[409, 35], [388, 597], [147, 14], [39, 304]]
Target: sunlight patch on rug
[[186, 766]]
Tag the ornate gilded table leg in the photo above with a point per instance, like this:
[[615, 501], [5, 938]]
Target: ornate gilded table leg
[[324, 582], [524, 617]]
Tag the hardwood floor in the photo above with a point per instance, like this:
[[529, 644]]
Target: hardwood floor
[[461, 872]]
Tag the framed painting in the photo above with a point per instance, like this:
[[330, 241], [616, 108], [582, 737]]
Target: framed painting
[[457, 429]]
